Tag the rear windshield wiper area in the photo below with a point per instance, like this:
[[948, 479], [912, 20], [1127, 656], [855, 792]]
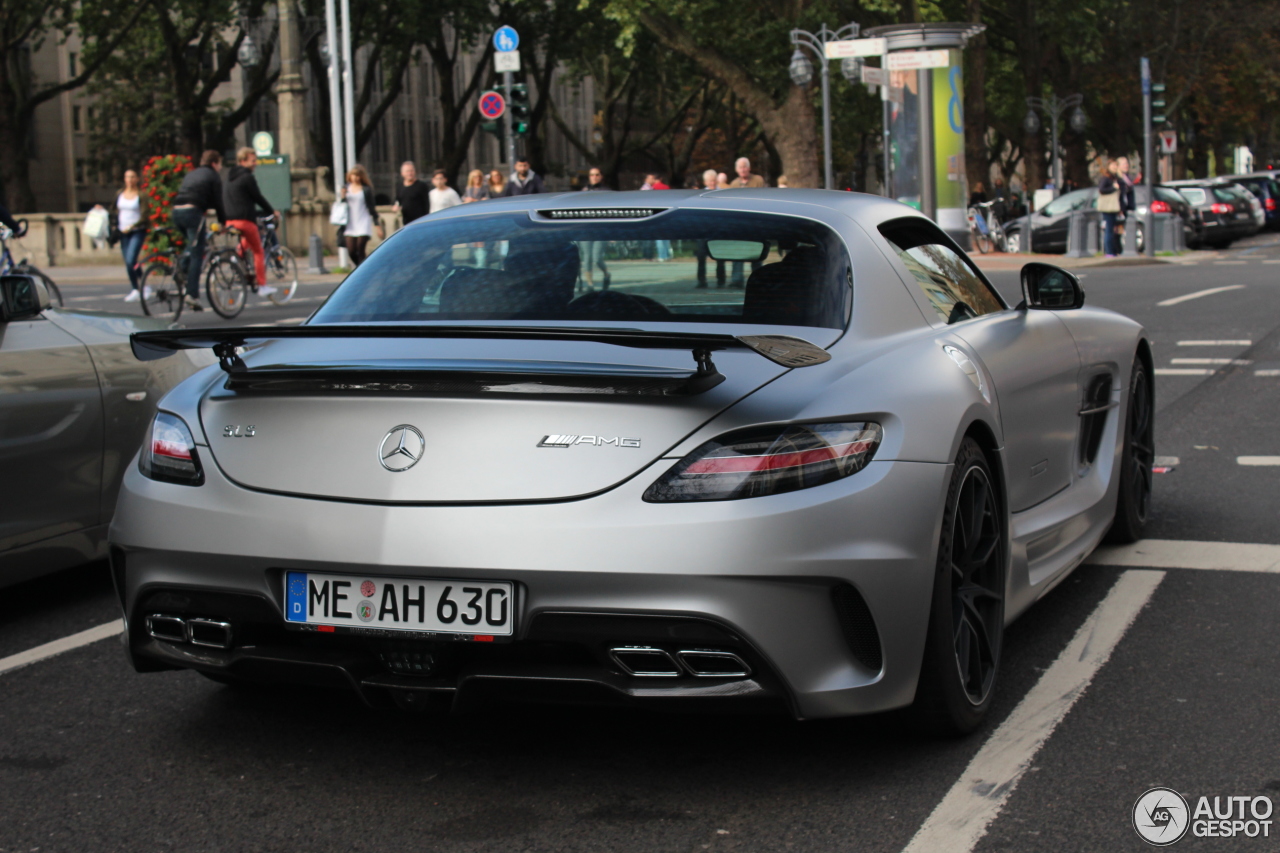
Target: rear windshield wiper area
[[226, 344]]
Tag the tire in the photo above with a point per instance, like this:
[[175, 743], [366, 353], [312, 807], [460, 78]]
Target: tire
[[282, 273], [166, 296], [55, 295], [1139, 238], [981, 242], [1013, 242], [966, 618], [226, 284], [1133, 504]]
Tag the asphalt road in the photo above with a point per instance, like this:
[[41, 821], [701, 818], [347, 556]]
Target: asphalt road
[[95, 757]]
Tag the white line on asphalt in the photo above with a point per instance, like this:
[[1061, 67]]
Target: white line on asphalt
[[1258, 460], [961, 819], [1177, 299], [1230, 263], [1271, 262], [1184, 371], [1215, 343], [1210, 361], [1177, 554], [1266, 373], [57, 647]]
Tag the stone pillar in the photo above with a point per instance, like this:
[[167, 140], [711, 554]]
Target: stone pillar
[[295, 138]]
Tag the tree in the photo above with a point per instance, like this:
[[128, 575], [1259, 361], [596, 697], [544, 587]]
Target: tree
[[24, 27]]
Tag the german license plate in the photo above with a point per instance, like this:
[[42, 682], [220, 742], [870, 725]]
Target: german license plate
[[399, 604]]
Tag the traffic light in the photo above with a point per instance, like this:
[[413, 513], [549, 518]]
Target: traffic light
[[493, 127], [1157, 103], [518, 103]]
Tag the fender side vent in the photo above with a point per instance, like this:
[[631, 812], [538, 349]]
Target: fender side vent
[[858, 626], [1093, 417]]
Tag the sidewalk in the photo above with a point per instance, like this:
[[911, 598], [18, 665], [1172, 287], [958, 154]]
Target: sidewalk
[[999, 261]]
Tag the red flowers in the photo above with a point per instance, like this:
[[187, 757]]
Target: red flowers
[[161, 177]]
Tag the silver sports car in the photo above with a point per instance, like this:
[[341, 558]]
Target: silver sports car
[[782, 447]]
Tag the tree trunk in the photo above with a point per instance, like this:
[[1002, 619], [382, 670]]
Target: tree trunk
[[977, 160]]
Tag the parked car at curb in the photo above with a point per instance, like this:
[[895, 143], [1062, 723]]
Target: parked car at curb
[[1266, 188], [74, 405], [1224, 208], [822, 485], [1051, 224]]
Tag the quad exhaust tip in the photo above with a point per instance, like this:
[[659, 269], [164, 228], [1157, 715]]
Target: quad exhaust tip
[[654, 662], [209, 633]]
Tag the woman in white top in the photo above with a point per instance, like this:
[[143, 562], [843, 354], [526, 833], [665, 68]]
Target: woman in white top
[[361, 214], [132, 220]]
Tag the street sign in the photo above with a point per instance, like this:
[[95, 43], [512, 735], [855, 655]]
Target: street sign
[[505, 61], [854, 47], [492, 105], [1145, 66], [506, 39], [909, 60], [875, 76], [1168, 142], [263, 144], [897, 94]]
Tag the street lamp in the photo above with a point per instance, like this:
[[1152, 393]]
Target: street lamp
[[1055, 108], [248, 53], [802, 75], [851, 68]]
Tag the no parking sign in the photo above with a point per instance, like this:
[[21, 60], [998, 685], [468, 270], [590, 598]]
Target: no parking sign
[[492, 105]]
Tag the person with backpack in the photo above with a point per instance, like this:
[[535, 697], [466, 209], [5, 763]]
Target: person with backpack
[[243, 200], [200, 191]]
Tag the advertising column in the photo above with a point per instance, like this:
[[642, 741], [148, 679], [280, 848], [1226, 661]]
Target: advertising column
[[950, 191]]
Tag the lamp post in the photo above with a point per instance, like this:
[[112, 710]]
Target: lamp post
[[802, 75], [1055, 107]]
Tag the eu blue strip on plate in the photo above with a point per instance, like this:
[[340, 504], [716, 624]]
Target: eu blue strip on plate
[[295, 597]]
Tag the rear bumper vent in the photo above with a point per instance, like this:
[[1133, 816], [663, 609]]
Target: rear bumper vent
[[709, 664], [645, 661], [172, 629], [858, 627], [198, 632]]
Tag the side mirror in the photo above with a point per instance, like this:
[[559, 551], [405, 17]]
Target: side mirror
[[21, 297], [1051, 288]]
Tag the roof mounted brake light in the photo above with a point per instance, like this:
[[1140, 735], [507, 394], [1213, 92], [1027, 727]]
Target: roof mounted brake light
[[602, 213]]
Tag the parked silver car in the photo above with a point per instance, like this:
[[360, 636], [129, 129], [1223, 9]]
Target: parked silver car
[[811, 459], [74, 404]]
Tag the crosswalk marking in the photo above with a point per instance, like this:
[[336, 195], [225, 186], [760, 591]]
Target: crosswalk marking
[[1184, 371], [57, 647], [1258, 460], [1210, 361], [1215, 343], [1179, 554]]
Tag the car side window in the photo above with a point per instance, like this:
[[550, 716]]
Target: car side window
[[1066, 203], [952, 286]]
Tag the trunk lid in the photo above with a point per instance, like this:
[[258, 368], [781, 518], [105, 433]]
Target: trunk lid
[[499, 421]]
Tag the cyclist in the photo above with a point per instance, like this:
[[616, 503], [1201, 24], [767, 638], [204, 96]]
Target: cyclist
[[201, 190], [243, 200], [7, 220]]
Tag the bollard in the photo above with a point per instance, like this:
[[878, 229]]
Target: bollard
[[315, 256], [1130, 246], [1026, 233], [1077, 235], [1093, 226]]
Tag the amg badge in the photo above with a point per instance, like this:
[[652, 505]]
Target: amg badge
[[597, 440]]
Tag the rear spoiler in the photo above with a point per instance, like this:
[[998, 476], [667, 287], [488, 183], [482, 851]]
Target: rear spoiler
[[783, 350]]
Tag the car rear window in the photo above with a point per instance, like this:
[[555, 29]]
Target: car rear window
[[695, 266], [1195, 195], [1228, 194], [1169, 195]]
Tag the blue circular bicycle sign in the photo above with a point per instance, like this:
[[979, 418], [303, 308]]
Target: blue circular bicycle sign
[[506, 39]]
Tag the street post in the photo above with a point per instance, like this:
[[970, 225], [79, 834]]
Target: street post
[[1149, 247], [817, 43], [506, 39]]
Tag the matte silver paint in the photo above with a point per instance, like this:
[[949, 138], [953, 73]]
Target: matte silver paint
[[569, 525]]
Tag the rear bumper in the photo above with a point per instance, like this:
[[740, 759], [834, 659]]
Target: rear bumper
[[757, 577]]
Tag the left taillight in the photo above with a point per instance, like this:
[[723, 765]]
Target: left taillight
[[169, 453], [1160, 207], [763, 461]]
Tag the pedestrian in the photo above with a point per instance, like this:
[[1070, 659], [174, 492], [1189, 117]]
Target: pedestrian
[[979, 194], [745, 180], [593, 250], [476, 189], [133, 215], [7, 220], [411, 196], [653, 182], [782, 182], [722, 181], [524, 181], [1127, 201], [243, 200], [1000, 194], [497, 184], [710, 182], [1110, 205], [200, 191], [361, 214], [442, 195]]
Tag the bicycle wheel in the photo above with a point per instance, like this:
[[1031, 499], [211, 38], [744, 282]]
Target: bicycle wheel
[[226, 284], [981, 242], [55, 295], [282, 273], [166, 295], [998, 238]]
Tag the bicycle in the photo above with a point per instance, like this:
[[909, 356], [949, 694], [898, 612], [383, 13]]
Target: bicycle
[[985, 228], [282, 267], [8, 266], [164, 280], [226, 282]]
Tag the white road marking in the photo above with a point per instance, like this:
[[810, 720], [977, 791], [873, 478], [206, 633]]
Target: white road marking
[[1210, 361], [1162, 461], [1258, 460], [57, 647], [1266, 373], [1199, 293], [1184, 371], [86, 298], [1230, 263], [1178, 554], [961, 819], [1216, 343], [1271, 262]]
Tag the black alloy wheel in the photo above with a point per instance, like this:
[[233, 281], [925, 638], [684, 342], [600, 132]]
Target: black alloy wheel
[[966, 622], [1133, 504]]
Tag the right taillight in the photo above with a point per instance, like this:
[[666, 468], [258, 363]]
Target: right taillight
[[169, 454], [1269, 204], [762, 461], [1160, 207]]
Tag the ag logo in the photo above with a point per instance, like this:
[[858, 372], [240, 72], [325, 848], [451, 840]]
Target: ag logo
[[1161, 816]]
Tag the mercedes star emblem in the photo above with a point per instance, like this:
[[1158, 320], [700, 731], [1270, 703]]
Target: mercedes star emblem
[[402, 448]]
